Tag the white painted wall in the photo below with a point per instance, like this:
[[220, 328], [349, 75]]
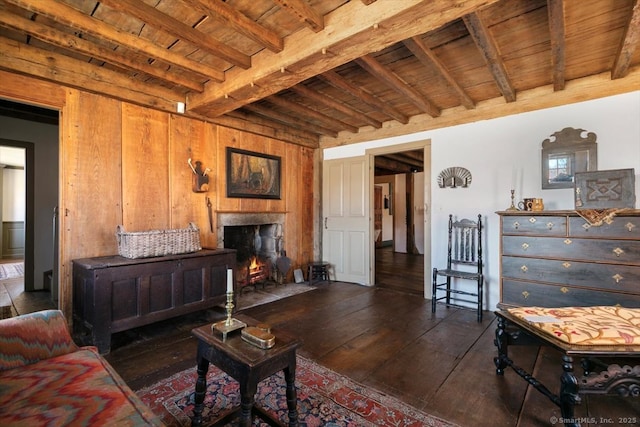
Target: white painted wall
[[493, 149], [400, 214], [13, 195]]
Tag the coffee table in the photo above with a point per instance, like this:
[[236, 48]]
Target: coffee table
[[611, 370], [248, 365]]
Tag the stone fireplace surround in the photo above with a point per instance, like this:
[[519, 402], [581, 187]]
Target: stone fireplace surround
[[271, 226]]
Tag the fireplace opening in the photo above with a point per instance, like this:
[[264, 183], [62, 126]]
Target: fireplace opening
[[257, 250]]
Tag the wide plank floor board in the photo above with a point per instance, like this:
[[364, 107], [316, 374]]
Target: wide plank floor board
[[388, 339]]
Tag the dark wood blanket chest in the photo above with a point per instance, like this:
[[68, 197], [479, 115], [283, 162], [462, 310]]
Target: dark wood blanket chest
[[113, 293]]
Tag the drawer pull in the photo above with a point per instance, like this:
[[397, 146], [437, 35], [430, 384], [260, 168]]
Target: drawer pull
[[525, 294], [618, 251], [564, 290], [617, 278], [516, 225], [586, 226], [524, 269], [550, 225], [630, 226], [566, 264], [532, 220], [567, 241], [525, 246]]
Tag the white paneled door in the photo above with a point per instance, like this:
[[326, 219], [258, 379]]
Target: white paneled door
[[346, 228]]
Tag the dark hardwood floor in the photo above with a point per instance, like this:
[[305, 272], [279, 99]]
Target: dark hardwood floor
[[390, 263], [386, 338]]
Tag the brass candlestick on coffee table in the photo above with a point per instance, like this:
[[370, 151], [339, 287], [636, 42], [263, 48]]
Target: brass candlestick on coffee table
[[229, 324]]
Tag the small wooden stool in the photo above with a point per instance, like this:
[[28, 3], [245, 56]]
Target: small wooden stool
[[319, 270]]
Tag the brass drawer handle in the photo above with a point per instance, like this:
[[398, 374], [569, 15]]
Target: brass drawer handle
[[525, 294], [516, 225], [618, 251], [586, 226], [566, 264], [617, 278], [524, 269], [630, 226], [564, 290], [525, 246], [532, 220], [550, 225], [567, 241]]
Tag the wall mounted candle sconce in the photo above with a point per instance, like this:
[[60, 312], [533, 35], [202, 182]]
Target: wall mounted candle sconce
[[454, 177], [200, 181]]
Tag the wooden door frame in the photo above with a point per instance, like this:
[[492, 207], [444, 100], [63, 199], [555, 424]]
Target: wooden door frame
[[370, 153]]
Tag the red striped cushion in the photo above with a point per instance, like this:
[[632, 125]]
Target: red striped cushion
[[32, 337], [79, 388]]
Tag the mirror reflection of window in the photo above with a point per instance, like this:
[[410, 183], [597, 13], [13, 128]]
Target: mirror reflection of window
[[560, 168], [566, 153]]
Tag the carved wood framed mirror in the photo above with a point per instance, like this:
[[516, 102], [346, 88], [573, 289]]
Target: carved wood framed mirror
[[566, 152]]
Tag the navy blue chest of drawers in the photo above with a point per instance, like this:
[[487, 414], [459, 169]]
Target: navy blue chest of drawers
[[556, 258]]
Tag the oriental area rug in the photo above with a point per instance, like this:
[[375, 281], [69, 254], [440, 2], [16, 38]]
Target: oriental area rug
[[325, 398]]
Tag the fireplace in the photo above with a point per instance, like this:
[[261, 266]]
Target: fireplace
[[258, 240]]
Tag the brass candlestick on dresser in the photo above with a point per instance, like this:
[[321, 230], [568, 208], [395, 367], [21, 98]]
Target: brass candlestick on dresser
[[513, 206]]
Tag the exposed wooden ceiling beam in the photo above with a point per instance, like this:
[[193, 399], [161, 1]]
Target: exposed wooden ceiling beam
[[413, 154], [72, 18], [392, 165], [226, 14], [331, 103], [577, 90], [429, 59], [351, 31], [399, 157], [555, 10], [334, 79], [66, 40], [289, 119], [305, 13], [489, 50], [252, 123], [396, 83], [29, 60], [153, 17], [628, 44], [327, 121]]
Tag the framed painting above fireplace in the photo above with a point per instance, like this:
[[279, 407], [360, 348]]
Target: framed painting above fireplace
[[252, 175]]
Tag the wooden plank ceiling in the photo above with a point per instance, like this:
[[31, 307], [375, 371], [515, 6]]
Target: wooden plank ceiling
[[302, 70]]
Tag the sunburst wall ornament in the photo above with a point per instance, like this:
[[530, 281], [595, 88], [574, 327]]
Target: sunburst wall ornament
[[454, 177]]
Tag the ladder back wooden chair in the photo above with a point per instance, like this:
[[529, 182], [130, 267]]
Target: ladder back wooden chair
[[464, 261]]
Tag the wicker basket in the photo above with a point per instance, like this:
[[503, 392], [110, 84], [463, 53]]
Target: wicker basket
[[144, 244]]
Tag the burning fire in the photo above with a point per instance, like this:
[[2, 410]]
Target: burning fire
[[254, 263]]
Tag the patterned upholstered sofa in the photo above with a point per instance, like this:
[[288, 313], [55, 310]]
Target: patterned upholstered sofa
[[46, 379]]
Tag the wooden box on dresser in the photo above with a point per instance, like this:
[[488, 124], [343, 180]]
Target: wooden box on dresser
[[557, 259], [113, 294]]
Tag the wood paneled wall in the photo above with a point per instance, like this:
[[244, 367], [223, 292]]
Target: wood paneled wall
[[122, 164]]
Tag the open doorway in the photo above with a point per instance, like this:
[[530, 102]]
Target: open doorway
[[401, 230], [34, 130]]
